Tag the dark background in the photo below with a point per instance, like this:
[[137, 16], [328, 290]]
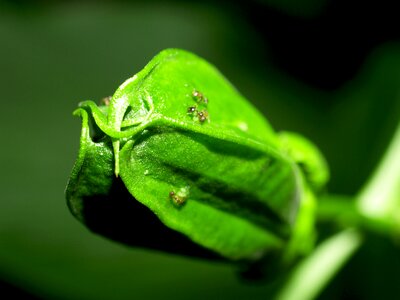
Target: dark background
[[327, 69]]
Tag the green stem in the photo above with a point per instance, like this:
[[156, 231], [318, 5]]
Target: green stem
[[315, 271], [376, 209], [380, 198], [343, 211]]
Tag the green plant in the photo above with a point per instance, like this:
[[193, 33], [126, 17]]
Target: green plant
[[183, 147]]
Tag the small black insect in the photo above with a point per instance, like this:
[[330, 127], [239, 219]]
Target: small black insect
[[202, 101], [192, 109]]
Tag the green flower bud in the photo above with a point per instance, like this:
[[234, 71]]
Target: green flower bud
[[196, 158]]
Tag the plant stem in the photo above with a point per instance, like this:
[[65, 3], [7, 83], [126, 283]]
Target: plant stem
[[376, 208], [314, 272], [343, 211], [380, 198]]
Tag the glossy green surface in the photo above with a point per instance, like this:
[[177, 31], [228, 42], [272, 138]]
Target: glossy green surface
[[189, 147]]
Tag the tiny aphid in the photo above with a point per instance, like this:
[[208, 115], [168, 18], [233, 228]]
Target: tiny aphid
[[202, 115], [106, 101], [199, 97], [197, 94], [178, 200], [192, 109]]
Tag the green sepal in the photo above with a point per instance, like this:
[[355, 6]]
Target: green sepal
[[92, 173], [232, 192]]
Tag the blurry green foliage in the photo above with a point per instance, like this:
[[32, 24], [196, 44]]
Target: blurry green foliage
[[305, 8]]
